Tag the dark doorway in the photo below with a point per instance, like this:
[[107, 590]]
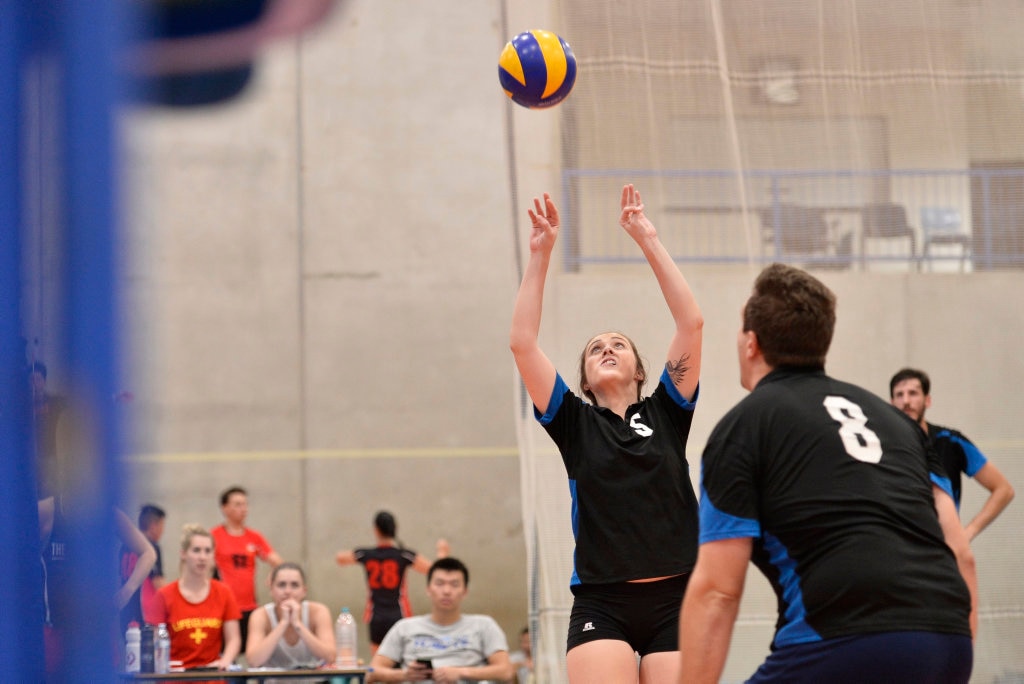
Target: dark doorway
[[997, 214]]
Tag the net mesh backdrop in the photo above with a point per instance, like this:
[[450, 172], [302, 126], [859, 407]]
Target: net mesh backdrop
[[849, 136], [848, 132]]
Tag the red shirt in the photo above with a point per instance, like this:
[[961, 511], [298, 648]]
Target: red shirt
[[197, 629], [236, 556]]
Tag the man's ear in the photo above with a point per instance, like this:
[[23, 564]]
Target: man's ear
[[751, 347]]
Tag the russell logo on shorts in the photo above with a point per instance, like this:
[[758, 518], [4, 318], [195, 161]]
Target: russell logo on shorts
[[588, 627]]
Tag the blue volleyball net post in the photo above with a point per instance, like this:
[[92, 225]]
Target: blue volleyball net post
[[58, 83], [21, 595]]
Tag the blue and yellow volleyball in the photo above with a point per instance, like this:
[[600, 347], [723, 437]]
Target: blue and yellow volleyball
[[537, 69]]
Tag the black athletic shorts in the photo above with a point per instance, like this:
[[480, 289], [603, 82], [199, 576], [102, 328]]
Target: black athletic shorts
[[380, 623], [643, 614], [243, 627]]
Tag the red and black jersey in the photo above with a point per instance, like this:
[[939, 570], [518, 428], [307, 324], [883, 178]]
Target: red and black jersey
[[385, 577]]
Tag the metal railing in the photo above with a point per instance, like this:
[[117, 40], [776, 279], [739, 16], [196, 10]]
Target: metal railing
[[917, 219]]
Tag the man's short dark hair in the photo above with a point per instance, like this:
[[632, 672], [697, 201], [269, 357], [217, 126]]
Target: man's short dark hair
[[793, 315], [226, 494], [149, 514], [910, 374], [451, 565]]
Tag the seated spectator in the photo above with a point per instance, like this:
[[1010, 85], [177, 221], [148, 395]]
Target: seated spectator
[[522, 659], [290, 632], [201, 613], [456, 646]]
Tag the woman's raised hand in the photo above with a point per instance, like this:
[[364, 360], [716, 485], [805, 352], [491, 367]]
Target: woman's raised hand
[[544, 217], [632, 218]]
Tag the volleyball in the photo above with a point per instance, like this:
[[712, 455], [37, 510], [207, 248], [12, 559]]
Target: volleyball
[[537, 69]]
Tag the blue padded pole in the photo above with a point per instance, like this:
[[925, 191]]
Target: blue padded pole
[[87, 37], [21, 619]]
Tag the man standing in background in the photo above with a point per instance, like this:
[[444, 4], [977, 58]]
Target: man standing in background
[[910, 392], [236, 548]]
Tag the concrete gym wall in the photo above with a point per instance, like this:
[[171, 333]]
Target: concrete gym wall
[[321, 285]]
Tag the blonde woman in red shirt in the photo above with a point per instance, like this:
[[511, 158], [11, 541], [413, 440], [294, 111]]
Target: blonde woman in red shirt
[[201, 613]]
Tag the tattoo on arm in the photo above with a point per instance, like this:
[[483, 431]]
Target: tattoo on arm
[[677, 369]]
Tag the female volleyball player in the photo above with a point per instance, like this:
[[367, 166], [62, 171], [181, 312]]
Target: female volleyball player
[[635, 513], [385, 565]]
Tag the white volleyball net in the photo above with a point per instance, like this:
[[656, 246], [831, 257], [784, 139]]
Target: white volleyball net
[[852, 137]]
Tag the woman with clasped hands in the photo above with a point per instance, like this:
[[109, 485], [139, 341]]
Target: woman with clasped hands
[[290, 632]]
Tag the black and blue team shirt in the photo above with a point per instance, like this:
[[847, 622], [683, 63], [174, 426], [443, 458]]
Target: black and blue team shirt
[[957, 454], [834, 485], [634, 512]]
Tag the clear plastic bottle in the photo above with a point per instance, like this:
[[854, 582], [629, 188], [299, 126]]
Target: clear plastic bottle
[[162, 650], [345, 639], [132, 638]]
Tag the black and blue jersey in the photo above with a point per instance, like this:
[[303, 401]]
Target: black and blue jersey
[[630, 484], [958, 455], [834, 485]]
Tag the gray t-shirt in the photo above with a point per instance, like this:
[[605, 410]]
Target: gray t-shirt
[[468, 642]]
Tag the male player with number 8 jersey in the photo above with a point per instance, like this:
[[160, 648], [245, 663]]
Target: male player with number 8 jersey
[[385, 566], [840, 502]]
